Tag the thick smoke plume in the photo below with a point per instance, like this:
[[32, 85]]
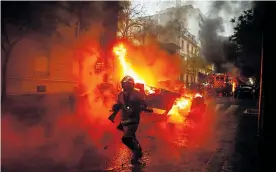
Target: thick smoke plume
[[211, 43], [214, 46]]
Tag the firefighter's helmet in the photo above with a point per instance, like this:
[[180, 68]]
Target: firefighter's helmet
[[127, 83]]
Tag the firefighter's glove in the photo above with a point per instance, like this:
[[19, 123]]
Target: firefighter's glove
[[111, 118], [120, 127]]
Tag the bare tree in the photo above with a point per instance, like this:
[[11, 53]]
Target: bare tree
[[132, 20]]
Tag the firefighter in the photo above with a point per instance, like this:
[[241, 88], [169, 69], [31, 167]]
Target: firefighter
[[131, 102]]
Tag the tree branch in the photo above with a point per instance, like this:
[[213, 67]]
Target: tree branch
[[5, 34]]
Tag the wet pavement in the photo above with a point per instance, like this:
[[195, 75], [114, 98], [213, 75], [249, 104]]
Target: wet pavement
[[189, 146], [163, 152], [176, 147]]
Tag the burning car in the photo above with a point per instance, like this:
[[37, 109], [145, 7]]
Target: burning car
[[158, 98], [174, 103], [168, 97]]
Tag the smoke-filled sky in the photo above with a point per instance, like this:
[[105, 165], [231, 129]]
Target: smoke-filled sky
[[227, 10], [212, 33]]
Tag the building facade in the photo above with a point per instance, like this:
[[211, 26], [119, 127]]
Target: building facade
[[37, 71], [35, 67], [170, 27], [176, 18]]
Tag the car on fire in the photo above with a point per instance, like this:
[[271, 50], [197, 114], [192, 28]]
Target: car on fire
[[172, 85], [157, 98]]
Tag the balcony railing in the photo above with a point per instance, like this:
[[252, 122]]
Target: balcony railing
[[167, 39]]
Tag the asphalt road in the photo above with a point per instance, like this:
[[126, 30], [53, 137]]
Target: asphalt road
[[190, 146]]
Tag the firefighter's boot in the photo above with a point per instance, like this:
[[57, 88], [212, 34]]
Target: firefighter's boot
[[136, 149]]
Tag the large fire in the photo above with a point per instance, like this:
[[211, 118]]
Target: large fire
[[127, 69], [181, 104], [121, 52]]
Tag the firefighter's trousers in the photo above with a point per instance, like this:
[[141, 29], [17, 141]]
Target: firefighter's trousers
[[129, 139]]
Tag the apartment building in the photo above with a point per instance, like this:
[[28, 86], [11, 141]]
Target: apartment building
[[181, 37], [39, 68]]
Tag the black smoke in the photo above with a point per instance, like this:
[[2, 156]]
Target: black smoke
[[211, 43], [216, 48]]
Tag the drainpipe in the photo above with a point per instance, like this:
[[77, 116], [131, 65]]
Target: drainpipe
[[261, 103]]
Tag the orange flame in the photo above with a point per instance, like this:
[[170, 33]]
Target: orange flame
[[233, 86], [181, 104], [121, 52], [127, 69]]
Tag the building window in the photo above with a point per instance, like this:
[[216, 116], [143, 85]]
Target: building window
[[188, 46], [41, 88], [42, 66]]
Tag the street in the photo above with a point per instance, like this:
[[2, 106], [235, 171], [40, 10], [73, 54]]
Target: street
[[192, 146], [68, 65]]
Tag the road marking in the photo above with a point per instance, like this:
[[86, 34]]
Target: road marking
[[232, 108], [251, 111], [219, 106]]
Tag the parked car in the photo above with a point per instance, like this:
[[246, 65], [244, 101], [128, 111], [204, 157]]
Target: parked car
[[244, 91]]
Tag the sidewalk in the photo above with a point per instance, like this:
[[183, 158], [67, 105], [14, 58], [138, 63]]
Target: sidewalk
[[239, 146], [245, 155]]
